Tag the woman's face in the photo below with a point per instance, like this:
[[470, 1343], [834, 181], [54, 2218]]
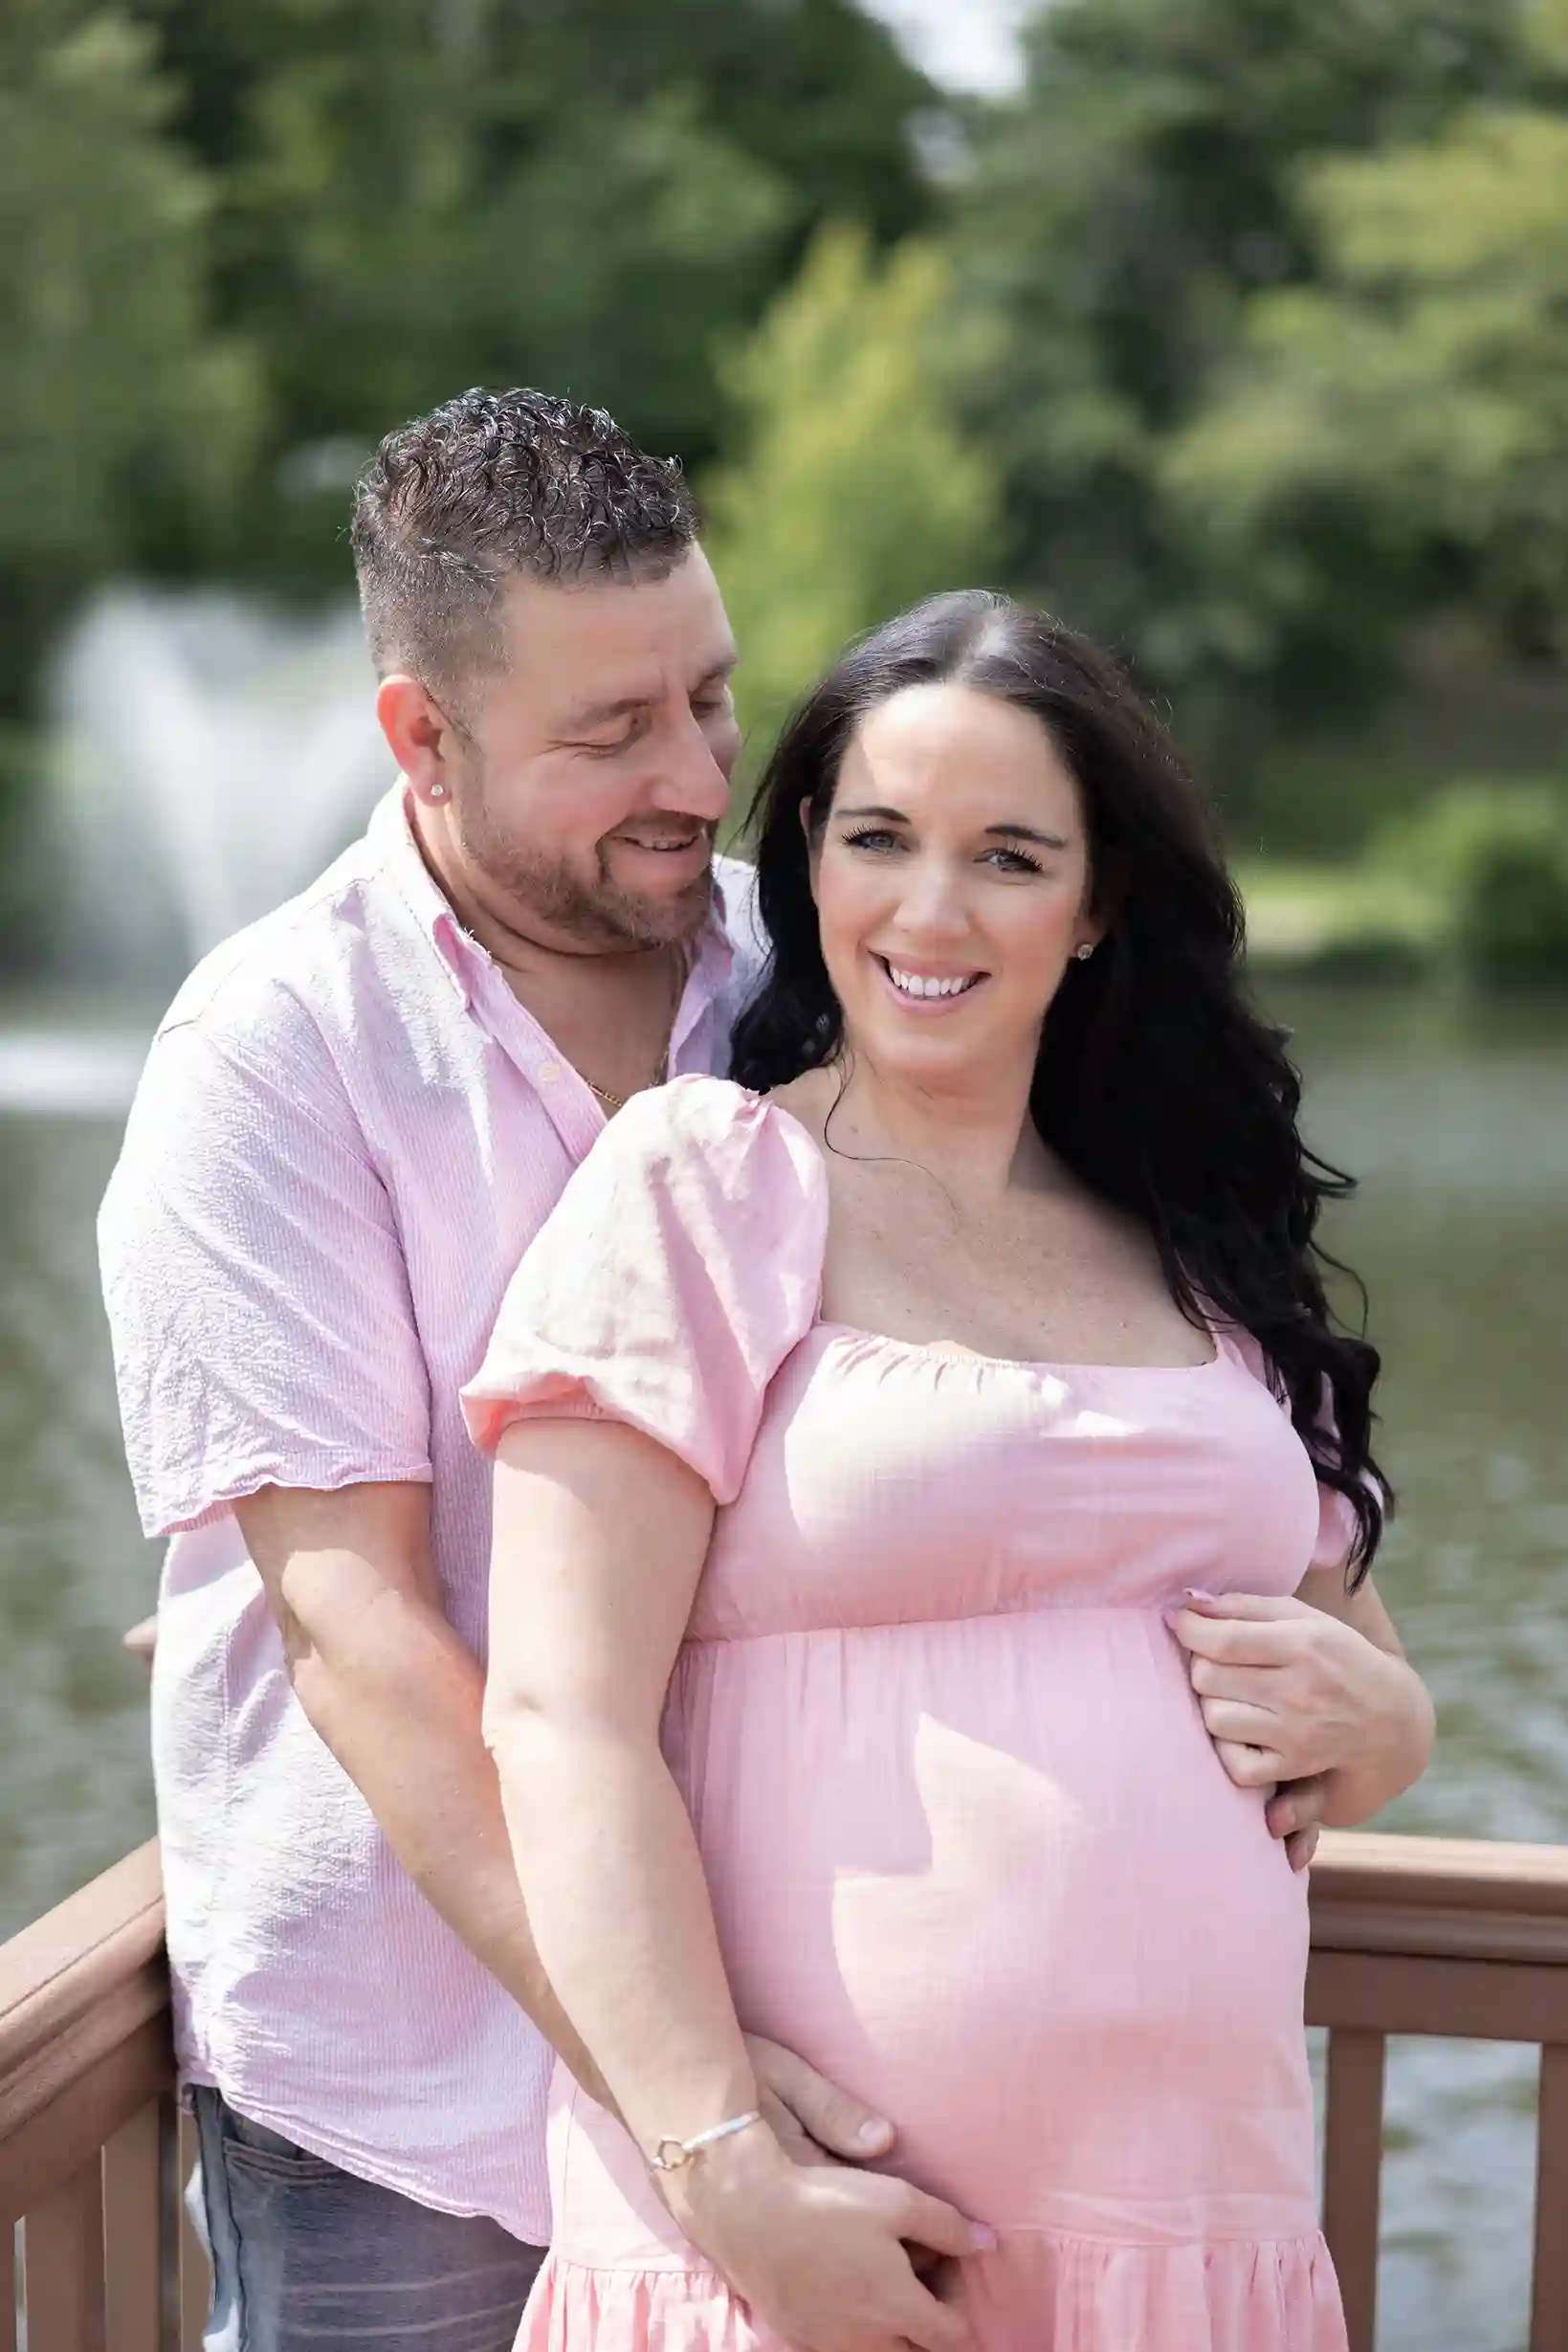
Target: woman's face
[[952, 885]]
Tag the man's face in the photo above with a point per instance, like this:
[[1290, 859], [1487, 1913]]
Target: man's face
[[597, 764]]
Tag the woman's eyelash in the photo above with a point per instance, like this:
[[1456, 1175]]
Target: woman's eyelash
[[869, 836]]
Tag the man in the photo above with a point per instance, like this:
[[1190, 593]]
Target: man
[[354, 1118]]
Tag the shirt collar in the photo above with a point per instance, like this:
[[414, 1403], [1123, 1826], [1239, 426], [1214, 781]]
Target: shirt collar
[[390, 831]]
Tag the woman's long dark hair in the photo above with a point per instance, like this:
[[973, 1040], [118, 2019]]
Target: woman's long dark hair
[[1156, 1084]]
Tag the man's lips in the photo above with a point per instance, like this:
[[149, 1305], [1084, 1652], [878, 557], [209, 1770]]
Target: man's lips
[[676, 850]]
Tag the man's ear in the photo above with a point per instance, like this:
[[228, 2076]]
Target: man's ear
[[419, 735]]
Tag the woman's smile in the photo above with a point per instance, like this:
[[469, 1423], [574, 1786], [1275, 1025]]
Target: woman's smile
[[926, 988]]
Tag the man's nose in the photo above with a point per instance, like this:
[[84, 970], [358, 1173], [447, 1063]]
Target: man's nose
[[691, 781]]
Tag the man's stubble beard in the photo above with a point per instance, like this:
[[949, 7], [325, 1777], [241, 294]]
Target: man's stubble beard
[[601, 917]]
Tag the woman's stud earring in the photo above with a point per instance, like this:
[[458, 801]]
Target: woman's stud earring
[[439, 792], [1084, 953]]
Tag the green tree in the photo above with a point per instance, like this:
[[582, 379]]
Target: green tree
[[123, 419], [855, 490], [1395, 439], [1122, 216], [420, 194]]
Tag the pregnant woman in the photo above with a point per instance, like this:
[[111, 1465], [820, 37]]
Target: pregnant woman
[[863, 1427]]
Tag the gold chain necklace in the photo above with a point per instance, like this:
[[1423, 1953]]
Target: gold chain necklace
[[661, 1070]]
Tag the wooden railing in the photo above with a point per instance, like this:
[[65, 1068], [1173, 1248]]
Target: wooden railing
[[90, 2154], [1410, 1935], [1447, 1936]]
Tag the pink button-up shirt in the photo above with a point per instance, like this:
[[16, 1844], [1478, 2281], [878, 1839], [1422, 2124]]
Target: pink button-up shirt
[[347, 1133]]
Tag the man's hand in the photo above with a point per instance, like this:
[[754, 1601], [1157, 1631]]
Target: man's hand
[[809, 2115], [1295, 1813], [1302, 1702]]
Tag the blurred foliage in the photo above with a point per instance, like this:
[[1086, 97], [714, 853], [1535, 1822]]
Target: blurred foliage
[[1496, 854], [421, 194], [125, 415], [1395, 437], [1474, 882], [854, 491], [1179, 178], [242, 238], [1239, 336]]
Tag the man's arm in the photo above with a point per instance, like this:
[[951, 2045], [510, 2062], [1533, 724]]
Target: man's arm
[[397, 1696], [398, 1699], [269, 1360]]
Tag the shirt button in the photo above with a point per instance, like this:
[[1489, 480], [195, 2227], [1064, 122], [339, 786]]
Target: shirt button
[[548, 1073]]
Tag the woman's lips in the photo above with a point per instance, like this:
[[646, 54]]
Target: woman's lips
[[937, 994]]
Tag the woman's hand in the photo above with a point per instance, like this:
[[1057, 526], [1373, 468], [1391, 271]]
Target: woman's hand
[[1303, 1701], [819, 2253]]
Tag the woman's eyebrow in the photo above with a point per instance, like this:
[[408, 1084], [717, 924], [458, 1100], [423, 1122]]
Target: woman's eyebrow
[[1028, 833], [891, 816]]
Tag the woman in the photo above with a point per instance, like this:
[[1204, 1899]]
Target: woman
[[884, 1405]]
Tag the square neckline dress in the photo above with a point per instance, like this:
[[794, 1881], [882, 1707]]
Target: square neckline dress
[[969, 1846]]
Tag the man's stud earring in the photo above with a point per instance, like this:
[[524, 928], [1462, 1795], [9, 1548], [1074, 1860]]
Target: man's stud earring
[[439, 792], [1082, 953]]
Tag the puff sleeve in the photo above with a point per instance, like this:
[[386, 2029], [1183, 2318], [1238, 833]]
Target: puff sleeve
[[679, 1268]]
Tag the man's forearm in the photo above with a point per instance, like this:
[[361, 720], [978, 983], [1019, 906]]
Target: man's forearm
[[1394, 1760], [397, 1697]]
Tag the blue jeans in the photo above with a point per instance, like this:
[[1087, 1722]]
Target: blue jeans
[[306, 2258]]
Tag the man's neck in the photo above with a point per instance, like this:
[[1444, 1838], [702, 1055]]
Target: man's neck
[[609, 1012]]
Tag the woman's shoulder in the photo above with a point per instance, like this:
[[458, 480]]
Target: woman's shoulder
[[713, 1126]]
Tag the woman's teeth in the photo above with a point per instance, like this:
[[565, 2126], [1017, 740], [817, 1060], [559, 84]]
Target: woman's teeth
[[921, 983]]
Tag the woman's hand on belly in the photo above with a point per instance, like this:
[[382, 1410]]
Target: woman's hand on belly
[[819, 2252]]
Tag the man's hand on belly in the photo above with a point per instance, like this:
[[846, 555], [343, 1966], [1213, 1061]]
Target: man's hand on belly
[[808, 2113], [1302, 1702]]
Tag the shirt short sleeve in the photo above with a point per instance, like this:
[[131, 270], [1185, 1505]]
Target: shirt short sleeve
[[255, 1285], [679, 1268]]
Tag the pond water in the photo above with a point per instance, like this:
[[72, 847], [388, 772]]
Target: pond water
[[1456, 1119]]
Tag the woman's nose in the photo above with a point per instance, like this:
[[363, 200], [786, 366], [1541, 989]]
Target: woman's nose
[[931, 906]]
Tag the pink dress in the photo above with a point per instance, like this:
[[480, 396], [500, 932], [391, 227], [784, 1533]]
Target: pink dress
[[970, 1846]]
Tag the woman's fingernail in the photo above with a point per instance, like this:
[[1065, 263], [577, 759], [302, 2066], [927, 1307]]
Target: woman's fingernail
[[1196, 1594], [874, 2134], [984, 2241]]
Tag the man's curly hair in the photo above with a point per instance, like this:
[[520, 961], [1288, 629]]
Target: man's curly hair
[[493, 486]]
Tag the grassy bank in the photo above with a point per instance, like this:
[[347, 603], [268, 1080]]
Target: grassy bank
[[1475, 883]]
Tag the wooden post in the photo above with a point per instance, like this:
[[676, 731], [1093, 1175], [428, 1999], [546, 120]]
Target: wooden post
[[133, 2231], [1351, 2174], [1548, 2291], [62, 2263]]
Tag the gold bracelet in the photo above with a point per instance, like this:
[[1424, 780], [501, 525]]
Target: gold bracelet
[[670, 2154]]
